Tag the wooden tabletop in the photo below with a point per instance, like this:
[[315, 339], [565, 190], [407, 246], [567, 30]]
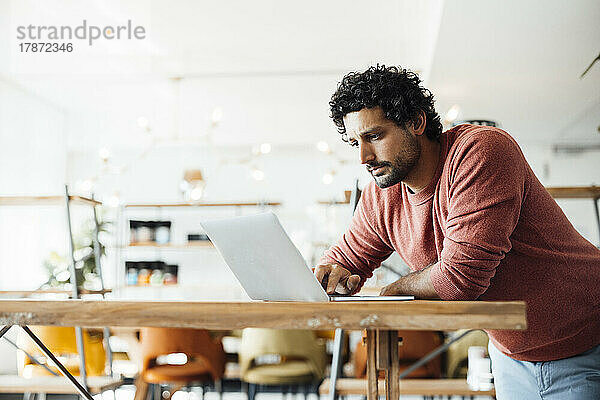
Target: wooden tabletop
[[416, 314]]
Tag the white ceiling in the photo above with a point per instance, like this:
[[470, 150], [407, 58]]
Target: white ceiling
[[519, 62], [271, 66]]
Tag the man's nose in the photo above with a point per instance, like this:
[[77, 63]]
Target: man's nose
[[366, 153]]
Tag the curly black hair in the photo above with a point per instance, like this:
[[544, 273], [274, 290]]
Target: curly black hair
[[397, 91]]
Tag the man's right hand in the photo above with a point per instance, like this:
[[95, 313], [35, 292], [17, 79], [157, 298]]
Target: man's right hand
[[336, 279]]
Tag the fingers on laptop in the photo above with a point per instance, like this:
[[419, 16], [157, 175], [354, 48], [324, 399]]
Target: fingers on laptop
[[337, 277], [329, 275], [321, 272], [352, 283]]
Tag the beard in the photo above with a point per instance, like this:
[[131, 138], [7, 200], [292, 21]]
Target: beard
[[402, 165]]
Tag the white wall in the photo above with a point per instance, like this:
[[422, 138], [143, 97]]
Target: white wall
[[32, 162], [577, 169]]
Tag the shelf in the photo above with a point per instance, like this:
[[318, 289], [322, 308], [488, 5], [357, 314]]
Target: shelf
[[202, 244], [55, 384], [575, 192], [26, 293], [159, 205], [334, 202], [44, 200]]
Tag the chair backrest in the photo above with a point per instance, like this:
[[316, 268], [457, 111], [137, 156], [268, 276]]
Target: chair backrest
[[288, 343], [62, 342], [195, 343], [416, 344], [457, 353]]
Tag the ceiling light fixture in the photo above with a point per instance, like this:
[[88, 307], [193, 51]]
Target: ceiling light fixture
[[258, 175], [193, 185], [452, 114], [265, 148]]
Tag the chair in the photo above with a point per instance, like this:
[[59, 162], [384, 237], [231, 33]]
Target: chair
[[416, 344], [329, 335], [299, 358], [61, 341], [457, 353], [205, 357]]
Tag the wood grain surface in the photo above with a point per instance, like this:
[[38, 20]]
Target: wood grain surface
[[575, 192], [54, 384], [423, 387], [417, 314], [44, 200]]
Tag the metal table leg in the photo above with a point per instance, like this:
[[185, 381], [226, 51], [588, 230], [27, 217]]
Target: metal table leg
[[336, 362], [51, 356], [4, 330]]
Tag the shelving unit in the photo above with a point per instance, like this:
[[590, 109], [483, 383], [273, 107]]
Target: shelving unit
[[124, 245], [28, 293], [579, 192], [67, 199], [189, 245], [45, 200], [165, 205]]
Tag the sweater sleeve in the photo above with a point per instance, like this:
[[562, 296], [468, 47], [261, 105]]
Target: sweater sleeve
[[486, 187], [361, 249]]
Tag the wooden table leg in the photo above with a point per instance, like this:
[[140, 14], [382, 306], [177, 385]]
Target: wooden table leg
[[392, 373], [372, 392]]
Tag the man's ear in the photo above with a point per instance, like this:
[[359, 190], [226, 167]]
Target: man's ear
[[419, 123]]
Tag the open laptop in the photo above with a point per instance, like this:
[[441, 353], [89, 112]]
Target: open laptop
[[267, 264]]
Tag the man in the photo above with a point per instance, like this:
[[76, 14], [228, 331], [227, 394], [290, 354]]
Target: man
[[467, 214]]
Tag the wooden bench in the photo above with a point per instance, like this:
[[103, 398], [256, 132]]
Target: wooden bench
[[423, 387], [54, 384]]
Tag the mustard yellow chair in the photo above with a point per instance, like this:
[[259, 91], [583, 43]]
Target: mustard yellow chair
[[283, 358], [458, 353], [62, 343]]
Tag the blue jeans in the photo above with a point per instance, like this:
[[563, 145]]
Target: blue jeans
[[576, 377]]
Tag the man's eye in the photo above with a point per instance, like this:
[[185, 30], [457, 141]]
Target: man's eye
[[374, 136]]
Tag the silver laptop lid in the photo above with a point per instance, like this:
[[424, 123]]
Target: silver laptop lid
[[264, 259]]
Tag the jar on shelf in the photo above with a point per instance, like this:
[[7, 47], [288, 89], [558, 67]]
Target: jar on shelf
[[145, 231], [143, 276], [163, 232], [132, 276], [156, 278], [170, 277]]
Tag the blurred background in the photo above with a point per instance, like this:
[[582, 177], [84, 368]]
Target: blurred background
[[221, 109], [227, 102]]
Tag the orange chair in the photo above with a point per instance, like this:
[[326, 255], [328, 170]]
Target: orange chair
[[205, 357], [61, 341], [415, 345]]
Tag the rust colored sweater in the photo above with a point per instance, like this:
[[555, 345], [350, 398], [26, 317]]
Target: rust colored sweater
[[492, 232]]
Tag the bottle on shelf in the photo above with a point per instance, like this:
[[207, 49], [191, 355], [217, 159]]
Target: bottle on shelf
[[163, 232], [143, 277], [170, 277], [132, 274], [156, 278]]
